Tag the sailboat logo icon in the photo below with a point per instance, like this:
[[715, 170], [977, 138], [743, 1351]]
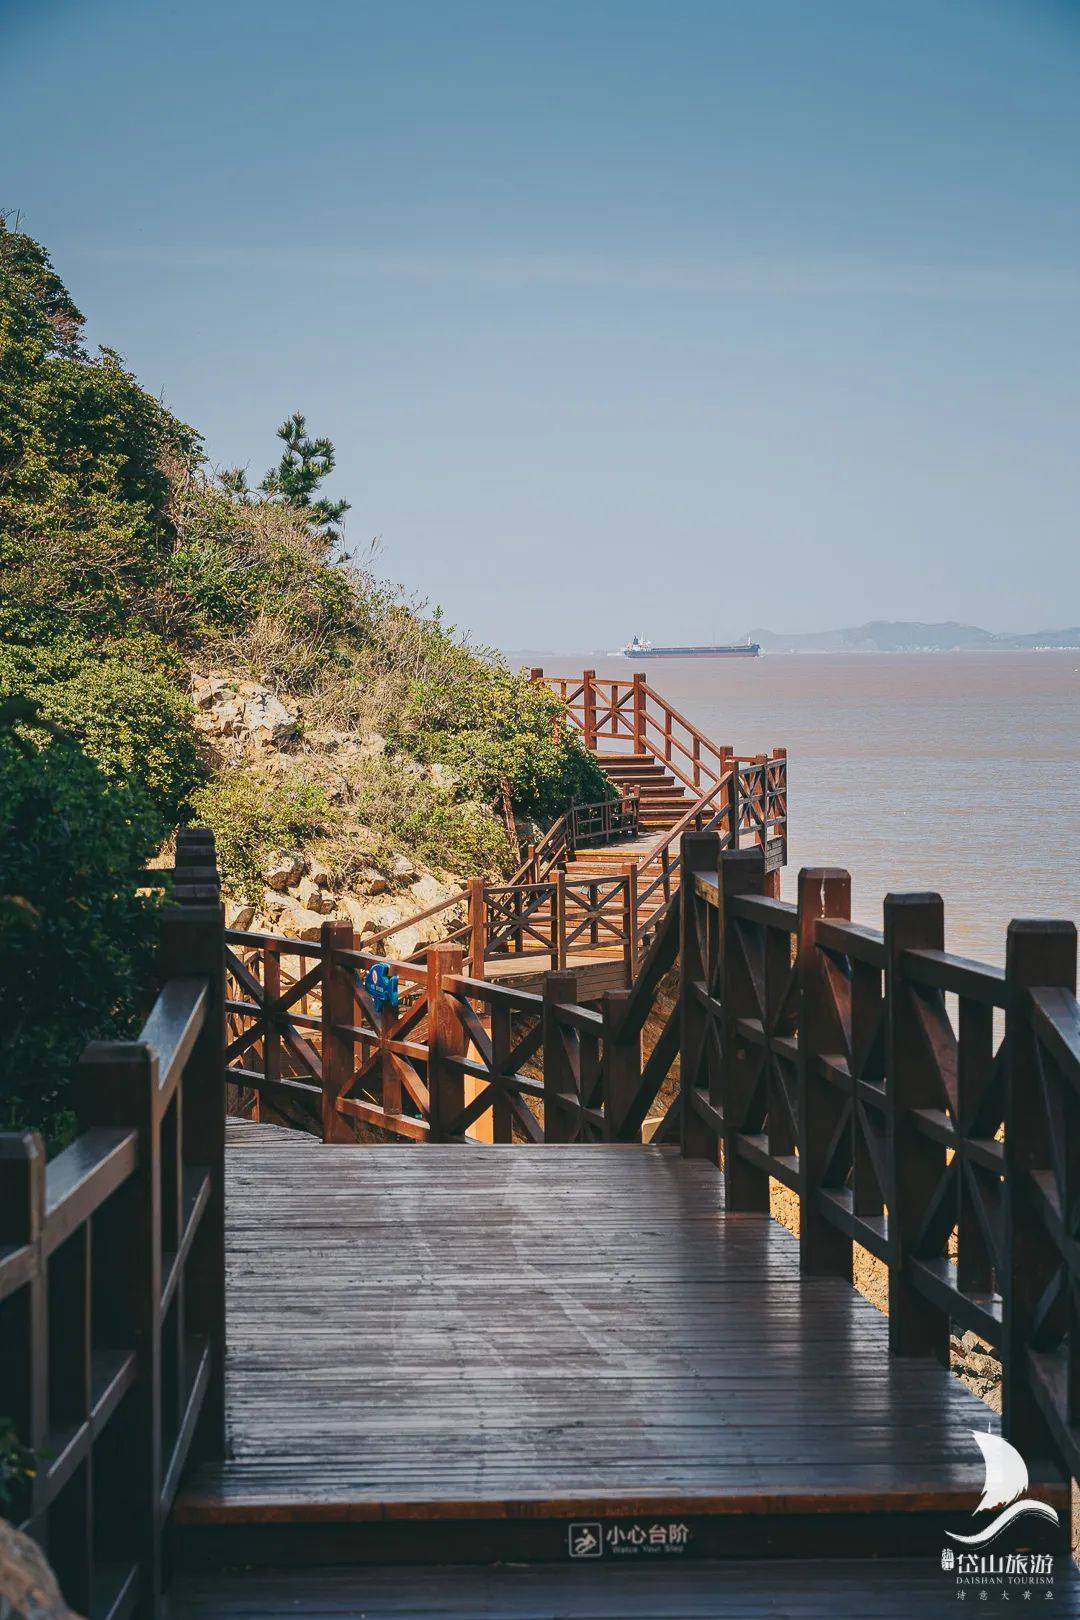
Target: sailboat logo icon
[[1005, 1487]]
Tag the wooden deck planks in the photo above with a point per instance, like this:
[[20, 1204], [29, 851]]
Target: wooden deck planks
[[869, 1589], [499, 1332]]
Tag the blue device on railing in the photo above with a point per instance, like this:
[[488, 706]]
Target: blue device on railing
[[382, 986]]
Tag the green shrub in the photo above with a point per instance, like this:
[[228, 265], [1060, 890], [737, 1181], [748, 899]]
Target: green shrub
[[76, 941], [505, 732], [134, 724], [423, 818], [252, 815]]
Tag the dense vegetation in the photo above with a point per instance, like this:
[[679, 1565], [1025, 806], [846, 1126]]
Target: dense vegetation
[[126, 566]]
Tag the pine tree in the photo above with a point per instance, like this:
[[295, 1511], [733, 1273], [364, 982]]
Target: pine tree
[[304, 464]]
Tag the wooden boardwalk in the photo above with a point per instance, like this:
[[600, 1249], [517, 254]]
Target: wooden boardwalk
[[737, 1589], [454, 1353]]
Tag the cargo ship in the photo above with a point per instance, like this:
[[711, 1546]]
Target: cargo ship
[[733, 649]]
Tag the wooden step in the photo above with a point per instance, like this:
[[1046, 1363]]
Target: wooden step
[[635, 1587]]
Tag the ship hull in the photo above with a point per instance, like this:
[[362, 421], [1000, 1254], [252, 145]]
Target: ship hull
[[752, 650]]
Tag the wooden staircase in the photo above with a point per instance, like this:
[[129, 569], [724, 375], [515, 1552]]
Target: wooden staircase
[[662, 799], [587, 896]]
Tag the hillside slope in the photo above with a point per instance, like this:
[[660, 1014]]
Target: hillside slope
[[175, 644]]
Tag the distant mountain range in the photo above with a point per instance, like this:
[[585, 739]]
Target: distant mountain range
[[882, 635]]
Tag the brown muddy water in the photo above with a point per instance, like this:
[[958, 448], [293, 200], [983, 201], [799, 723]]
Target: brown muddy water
[[955, 772]]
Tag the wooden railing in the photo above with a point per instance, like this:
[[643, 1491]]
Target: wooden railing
[[741, 797], [112, 1276], [746, 807], [920, 1105], [582, 826], [538, 912], [308, 1044], [630, 716]]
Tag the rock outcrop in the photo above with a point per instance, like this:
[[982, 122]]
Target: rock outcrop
[[241, 718], [299, 896], [245, 724]]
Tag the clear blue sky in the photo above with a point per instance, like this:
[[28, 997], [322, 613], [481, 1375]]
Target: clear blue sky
[[674, 317]]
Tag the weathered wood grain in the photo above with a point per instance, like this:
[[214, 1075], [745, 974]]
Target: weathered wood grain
[[496, 1333]]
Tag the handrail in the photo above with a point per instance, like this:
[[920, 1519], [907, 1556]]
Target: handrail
[[630, 717], [618, 818], [867, 1071], [108, 1252]]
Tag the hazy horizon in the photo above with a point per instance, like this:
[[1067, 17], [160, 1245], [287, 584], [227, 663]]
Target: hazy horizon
[[680, 320]]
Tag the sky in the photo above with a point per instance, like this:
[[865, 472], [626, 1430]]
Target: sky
[[625, 317]]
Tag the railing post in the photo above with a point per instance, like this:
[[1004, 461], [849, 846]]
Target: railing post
[[823, 1248], [699, 855], [24, 1357], [116, 1084], [477, 927], [502, 1044], [271, 981], [1037, 955], [446, 1041], [195, 878], [780, 758], [639, 713], [630, 907], [193, 946], [588, 694], [745, 1186], [916, 1163], [536, 674], [337, 1015], [558, 933], [622, 1066], [732, 798], [562, 1095]]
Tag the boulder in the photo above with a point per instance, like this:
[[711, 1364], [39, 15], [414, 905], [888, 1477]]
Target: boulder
[[355, 911], [283, 871], [274, 904], [443, 777], [266, 720], [241, 916], [299, 923], [401, 868], [429, 890], [371, 881], [307, 892], [400, 946], [206, 690], [246, 711], [319, 873]]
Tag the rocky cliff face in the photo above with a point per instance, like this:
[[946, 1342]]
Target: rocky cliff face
[[245, 724]]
